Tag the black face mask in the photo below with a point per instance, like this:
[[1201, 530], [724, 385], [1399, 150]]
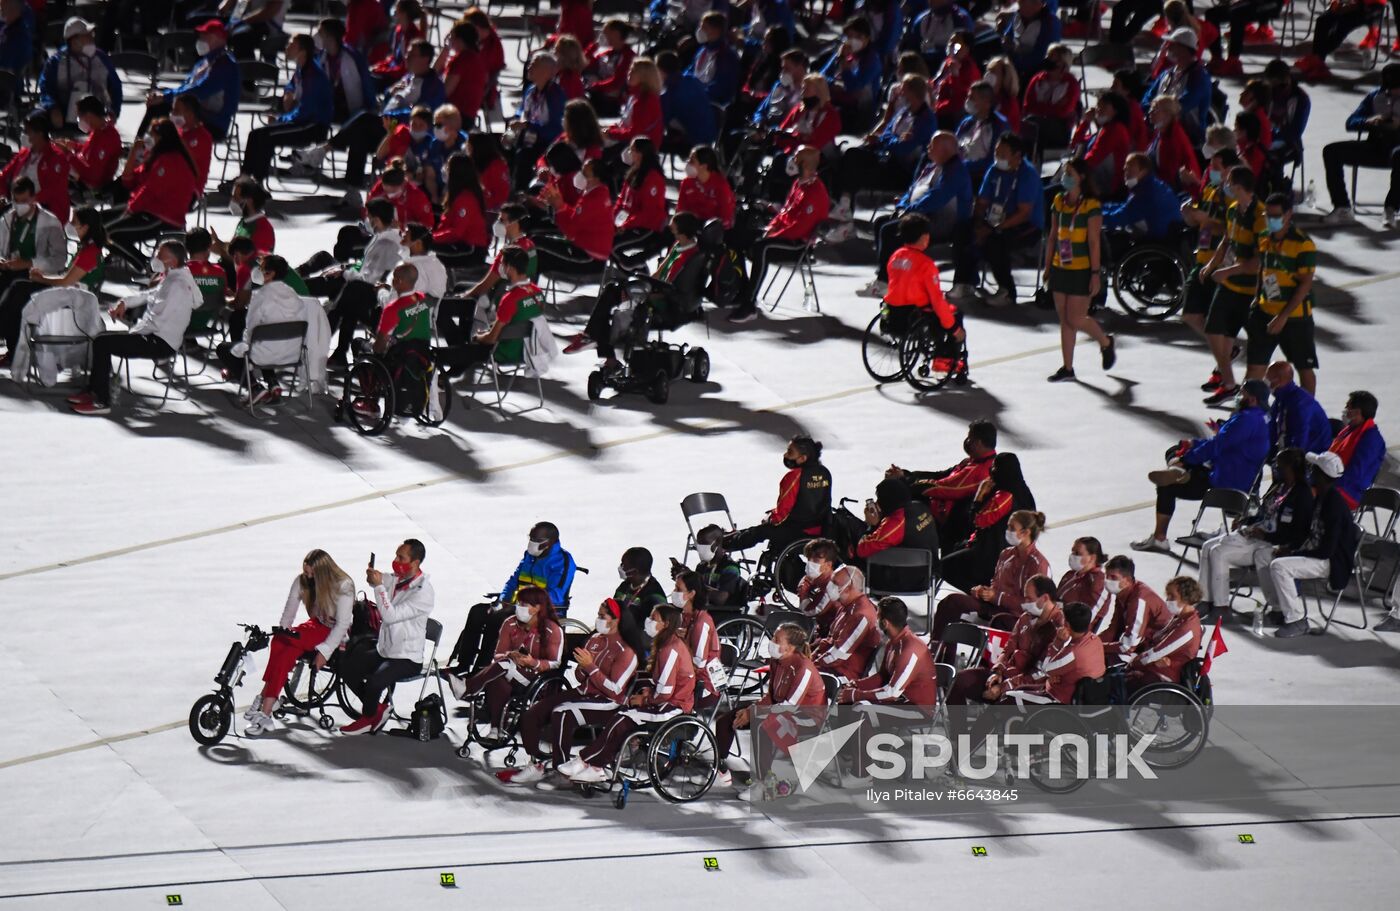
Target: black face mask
[[967, 446], [809, 102], [789, 463]]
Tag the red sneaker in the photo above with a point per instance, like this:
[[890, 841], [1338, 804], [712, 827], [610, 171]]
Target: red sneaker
[[1230, 66], [1373, 38], [367, 723], [1213, 383], [92, 408], [580, 342], [80, 398], [1259, 35], [366, 407]]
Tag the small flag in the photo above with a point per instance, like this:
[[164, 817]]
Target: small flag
[[1216, 646]]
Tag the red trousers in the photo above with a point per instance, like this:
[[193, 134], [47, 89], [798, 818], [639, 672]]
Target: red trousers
[[285, 650]]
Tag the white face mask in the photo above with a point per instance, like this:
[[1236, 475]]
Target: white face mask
[[1076, 562], [692, 171], [1011, 538], [498, 229], [706, 552], [621, 570], [1102, 119], [856, 44], [235, 208], [256, 277], [1031, 607], [178, 120], [770, 649], [629, 157], [651, 628], [1174, 607], [149, 142], [535, 548], [701, 36], [442, 133], [1113, 586], [814, 569], [580, 181], [786, 80], [602, 625], [833, 591], [970, 107], [201, 47], [83, 125], [1130, 182], [157, 265], [522, 613], [791, 167], [89, 50], [22, 209], [677, 598]]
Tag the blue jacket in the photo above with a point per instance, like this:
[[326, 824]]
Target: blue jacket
[[1292, 117], [544, 111], [1152, 207], [1364, 111], [1195, 98], [432, 95], [775, 13], [886, 22], [1011, 190], [1365, 464], [907, 151], [1296, 420], [722, 68], [17, 41], [369, 85], [1028, 60], [215, 82], [954, 183], [552, 571], [685, 103], [54, 96], [438, 153], [862, 81], [979, 166], [316, 104], [1237, 451], [931, 30]]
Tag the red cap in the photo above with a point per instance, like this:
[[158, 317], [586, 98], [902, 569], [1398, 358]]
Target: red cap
[[613, 607], [213, 26]]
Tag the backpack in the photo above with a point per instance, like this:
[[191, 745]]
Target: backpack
[[429, 718], [729, 285]]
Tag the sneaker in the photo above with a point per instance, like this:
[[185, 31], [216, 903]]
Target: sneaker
[[92, 408], [1002, 298], [1293, 630], [365, 407], [1341, 215], [841, 211], [1213, 383], [554, 781], [1166, 477], [1151, 545], [1263, 34], [1230, 66], [1059, 376], [493, 733], [875, 289], [353, 199], [266, 395], [80, 398], [572, 767], [962, 293], [1221, 394], [258, 725], [971, 617], [457, 685], [580, 342], [528, 774], [590, 774], [362, 725], [1109, 353], [1390, 624], [724, 779], [311, 158], [744, 315], [1372, 39]]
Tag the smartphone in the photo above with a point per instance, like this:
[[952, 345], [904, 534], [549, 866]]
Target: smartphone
[[371, 559]]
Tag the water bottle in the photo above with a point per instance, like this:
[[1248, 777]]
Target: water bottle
[[1258, 627], [770, 786], [1310, 197]]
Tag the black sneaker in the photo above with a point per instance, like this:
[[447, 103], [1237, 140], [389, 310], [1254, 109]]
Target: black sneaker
[[1293, 630], [1109, 353], [1064, 373], [1213, 383], [744, 315], [1221, 394]]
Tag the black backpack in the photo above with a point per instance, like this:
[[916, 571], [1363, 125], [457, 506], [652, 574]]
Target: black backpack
[[429, 718]]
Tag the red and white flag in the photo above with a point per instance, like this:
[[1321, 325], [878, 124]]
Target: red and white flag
[[1216, 646]]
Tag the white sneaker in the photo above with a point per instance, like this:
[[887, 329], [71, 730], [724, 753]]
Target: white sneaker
[[963, 292], [253, 711], [311, 158], [1341, 215], [529, 774], [1389, 220], [493, 733], [738, 764], [875, 289], [572, 767], [458, 686], [971, 617], [590, 774], [1151, 545], [352, 199], [839, 233], [1000, 299], [723, 779], [259, 725], [554, 781], [841, 211]]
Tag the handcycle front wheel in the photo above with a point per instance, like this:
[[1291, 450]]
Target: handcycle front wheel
[[1149, 282], [210, 718], [880, 352], [368, 400]]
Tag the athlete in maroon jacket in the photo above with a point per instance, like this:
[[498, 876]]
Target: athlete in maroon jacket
[[530, 643], [845, 651], [1139, 613], [903, 689]]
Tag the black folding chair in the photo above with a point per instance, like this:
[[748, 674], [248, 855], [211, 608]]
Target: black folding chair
[[1232, 505]]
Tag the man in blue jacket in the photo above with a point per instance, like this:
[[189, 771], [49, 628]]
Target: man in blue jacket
[[1028, 35], [1152, 209], [715, 64], [214, 81], [16, 35], [941, 192], [307, 108], [1296, 419], [685, 106], [886, 160], [1187, 80], [76, 69], [1378, 117], [1360, 446], [1232, 459]]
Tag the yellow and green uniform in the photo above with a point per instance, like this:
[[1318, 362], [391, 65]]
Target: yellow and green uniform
[[1212, 206], [1243, 228], [1284, 261], [1070, 237]]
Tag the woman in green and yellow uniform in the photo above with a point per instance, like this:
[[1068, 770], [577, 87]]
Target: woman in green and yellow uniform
[[1072, 265]]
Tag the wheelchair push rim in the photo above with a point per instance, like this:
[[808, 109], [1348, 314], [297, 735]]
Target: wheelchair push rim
[[880, 352], [1149, 283], [683, 760], [919, 355], [743, 634], [309, 687], [1175, 718]]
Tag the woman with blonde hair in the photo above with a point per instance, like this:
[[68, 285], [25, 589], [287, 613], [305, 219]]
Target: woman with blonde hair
[[641, 112], [1001, 73], [328, 595]]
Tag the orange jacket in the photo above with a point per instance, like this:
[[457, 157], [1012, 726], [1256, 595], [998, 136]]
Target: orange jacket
[[914, 283]]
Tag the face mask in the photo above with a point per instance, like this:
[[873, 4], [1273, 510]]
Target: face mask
[[256, 277], [536, 548], [1130, 182], [786, 80], [791, 167], [692, 171], [705, 552], [789, 463], [149, 142], [1011, 538], [89, 50], [677, 598], [401, 569], [201, 47], [580, 181], [701, 36], [809, 102], [1102, 119], [770, 649], [418, 135], [235, 208], [83, 125], [857, 44], [1069, 182], [1229, 191], [1032, 608], [1113, 586], [498, 230], [833, 591], [970, 107], [1174, 607], [622, 572], [602, 625], [522, 613], [1076, 562], [319, 42], [629, 158], [814, 569], [1003, 164], [177, 119], [1275, 223], [22, 209], [157, 265], [651, 628], [1216, 176], [442, 133]]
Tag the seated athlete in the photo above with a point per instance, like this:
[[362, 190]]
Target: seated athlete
[[1163, 657], [1075, 654], [853, 634], [726, 589], [405, 330]]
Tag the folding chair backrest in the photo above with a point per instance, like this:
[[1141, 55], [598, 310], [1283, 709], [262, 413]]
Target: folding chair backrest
[[697, 504], [945, 673], [896, 564], [776, 618], [964, 634], [279, 332], [1384, 554], [1233, 503], [1374, 502], [832, 685]]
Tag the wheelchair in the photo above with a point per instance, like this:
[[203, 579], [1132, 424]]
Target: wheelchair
[[777, 575], [377, 389], [913, 347], [1149, 277], [308, 689]]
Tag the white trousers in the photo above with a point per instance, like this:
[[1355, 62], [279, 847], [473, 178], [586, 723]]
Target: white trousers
[[1280, 582], [1223, 553]]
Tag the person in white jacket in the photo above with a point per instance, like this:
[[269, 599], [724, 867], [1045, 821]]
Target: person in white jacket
[[274, 302], [31, 237], [156, 336], [402, 600], [432, 274]]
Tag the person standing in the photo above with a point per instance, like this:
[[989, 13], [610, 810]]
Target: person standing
[[1282, 313], [1234, 266], [1073, 266]]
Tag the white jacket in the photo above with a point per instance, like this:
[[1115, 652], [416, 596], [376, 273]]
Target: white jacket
[[344, 614], [381, 255], [540, 348], [57, 311], [432, 275], [50, 243], [404, 616], [168, 307], [276, 302]]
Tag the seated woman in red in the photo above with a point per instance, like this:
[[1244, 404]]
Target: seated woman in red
[[640, 211], [569, 53], [463, 72], [163, 187], [587, 225], [491, 167], [641, 113], [410, 24], [607, 64], [705, 192], [462, 236]]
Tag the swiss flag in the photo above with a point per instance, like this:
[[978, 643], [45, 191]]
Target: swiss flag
[[782, 730], [1216, 646], [997, 640]]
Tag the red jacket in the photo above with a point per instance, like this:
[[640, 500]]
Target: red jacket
[[1107, 151], [1014, 570], [1176, 643], [50, 173], [495, 184], [1139, 613], [889, 533], [364, 22], [545, 643], [711, 199], [576, 18], [1031, 637], [949, 87], [470, 90], [960, 483], [641, 116], [1010, 107], [1053, 95], [794, 680], [698, 628], [817, 128], [165, 188], [261, 233], [854, 636], [412, 207], [1086, 588], [643, 207], [1173, 151], [463, 222], [614, 665], [1138, 132], [1064, 664], [806, 207], [673, 675], [914, 283], [589, 222], [609, 67], [199, 142], [905, 675], [95, 162]]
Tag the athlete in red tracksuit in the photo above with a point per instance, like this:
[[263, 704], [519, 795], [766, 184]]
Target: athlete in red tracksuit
[[1031, 638], [698, 629], [587, 225], [854, 637], [642, 208], [707, 197], [804, 501], [904, 688], [530, 643], [411, 205], [793, 683], [641, 116], [1162, 657], [1070, 658], [807, 205], [1139, 614]]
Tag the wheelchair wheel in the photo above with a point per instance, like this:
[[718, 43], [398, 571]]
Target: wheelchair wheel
[[1149, 282], [738, 648], [699, 365], [683, 759], [1051, 776], [596, 385], [880, 352], [1174, 718], [659, 391], [788, 569], [349, 702], [927, 366], [444, 401], [309, 687], [210, 718], [368, 400]]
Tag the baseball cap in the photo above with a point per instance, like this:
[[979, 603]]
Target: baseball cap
[[1184, 36], [213, 27], [76, 26], [1329, 463]]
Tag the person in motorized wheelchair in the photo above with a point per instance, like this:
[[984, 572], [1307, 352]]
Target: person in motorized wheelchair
[[1164, 655], [530, 643], [545, 564], [522, 303], [595, 687], [804, 502], [671, 692], [726, 589], [402, 341], [852, 634], [328, 595], [793, 682]]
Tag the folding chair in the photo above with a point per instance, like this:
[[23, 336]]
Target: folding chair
[[1231, 503], [699, 504], [802, 267], [1374, 501], [429, 671], [140, 63], [514, 332], [1321, 589], [885, 569], [962, 634], [277, 332], [50, 340], [1104, 54]]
